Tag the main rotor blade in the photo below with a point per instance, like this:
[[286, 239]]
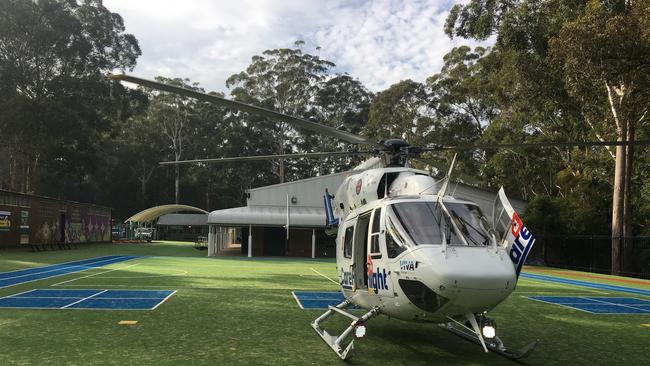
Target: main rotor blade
[[294, 121], [267, 157], [538, 145]]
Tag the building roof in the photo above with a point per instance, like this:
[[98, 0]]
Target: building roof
[[153, 213], [269, 216], [175, 219], [14, 193]]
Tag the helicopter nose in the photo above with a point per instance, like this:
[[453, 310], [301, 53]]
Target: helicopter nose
[[475, 278]]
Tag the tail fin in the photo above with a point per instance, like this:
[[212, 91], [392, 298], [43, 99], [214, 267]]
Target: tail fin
[[517, 239], [329, 213]]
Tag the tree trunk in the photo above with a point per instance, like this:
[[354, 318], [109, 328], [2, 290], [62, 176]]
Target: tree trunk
[[618, 206], [12, 173], [627, 202], [143, 190], [618, 195], [176, 182], [281, 161]]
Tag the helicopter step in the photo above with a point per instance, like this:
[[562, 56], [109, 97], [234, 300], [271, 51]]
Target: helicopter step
[[336, 342], [493, 344]]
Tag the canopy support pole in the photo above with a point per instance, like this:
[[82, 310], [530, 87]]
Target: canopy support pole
[[250, 241]]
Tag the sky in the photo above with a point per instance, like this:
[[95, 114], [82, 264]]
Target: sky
[[380, 42]]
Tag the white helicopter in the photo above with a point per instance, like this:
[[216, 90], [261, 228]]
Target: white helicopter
[[405, 248]]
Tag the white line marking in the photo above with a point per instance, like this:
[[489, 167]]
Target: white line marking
[[298, 301], [325, 276], [58, 269], [84, 299], [615, 304], [8, 322], [165, 299], [20, 293], [179, 274], [94, 274], [59, 264], [62, 274], [572, 287], [566, 306]]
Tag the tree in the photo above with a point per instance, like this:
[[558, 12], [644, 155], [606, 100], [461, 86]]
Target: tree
[[342, 102], [401, 111], [53, 54], [171, 114], [464, 102], [284, 80], [605, 57]]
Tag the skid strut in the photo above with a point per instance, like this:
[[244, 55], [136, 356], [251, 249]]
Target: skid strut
[[494, 344], [336, 342]]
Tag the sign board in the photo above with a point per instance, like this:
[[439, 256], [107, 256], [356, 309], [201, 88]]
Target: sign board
[[24, 220], [5, 220]]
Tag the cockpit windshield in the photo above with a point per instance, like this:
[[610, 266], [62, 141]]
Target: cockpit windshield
[[471, 222], [426, 222]]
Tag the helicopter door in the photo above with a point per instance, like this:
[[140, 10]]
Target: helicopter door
[[360, 251], [515, 238]]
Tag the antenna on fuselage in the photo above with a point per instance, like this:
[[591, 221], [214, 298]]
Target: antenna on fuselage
[[445, 185]]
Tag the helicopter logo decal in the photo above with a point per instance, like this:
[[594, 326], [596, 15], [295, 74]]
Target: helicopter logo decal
[[347, 279], [377, 280], [408, 265], [524, 241]]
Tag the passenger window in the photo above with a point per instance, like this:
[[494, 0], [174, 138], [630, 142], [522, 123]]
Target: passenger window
[[347, 242]]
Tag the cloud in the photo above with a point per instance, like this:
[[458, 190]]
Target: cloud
[[380, 42]]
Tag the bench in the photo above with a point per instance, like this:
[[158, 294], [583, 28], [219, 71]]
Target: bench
[[37, 247]]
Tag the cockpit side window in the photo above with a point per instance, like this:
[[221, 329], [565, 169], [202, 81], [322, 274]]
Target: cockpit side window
[[395, 243]]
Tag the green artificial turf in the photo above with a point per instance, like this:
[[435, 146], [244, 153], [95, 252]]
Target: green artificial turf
[[240, 311]]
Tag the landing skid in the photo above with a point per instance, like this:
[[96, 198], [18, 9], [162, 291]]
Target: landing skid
[[495, 344], [336, 342]]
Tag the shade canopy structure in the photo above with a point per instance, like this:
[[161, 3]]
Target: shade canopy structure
[[153, 213], [183, 219]]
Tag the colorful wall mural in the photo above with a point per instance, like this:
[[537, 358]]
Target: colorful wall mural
[[42, 220]]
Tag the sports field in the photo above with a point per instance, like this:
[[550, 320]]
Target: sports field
[[239, 311]]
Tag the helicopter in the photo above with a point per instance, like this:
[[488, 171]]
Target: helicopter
[[405, 247]]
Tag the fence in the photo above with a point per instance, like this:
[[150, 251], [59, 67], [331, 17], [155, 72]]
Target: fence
[[593, 253]]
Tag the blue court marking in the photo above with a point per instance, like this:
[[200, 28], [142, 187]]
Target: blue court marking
[[87, 299], [18, 277], [317, 300], [599, 286], [599, 305]]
